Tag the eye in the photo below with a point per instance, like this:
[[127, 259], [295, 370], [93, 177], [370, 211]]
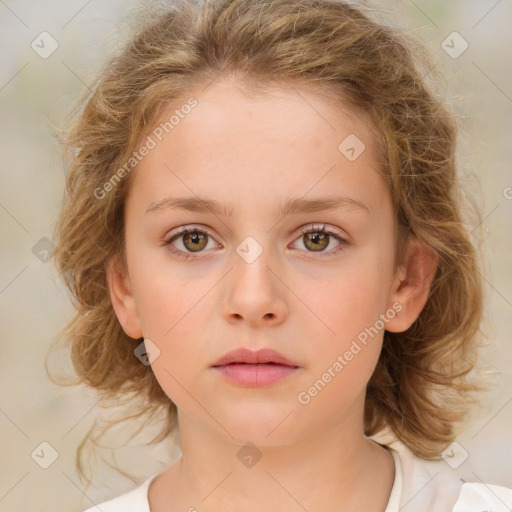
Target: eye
[[189, 240], [318, 239]]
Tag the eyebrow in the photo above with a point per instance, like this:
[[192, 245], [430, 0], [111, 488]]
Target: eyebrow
[[291, 206]]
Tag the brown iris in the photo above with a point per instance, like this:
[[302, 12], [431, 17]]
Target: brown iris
[[318, 239], [197, 241]]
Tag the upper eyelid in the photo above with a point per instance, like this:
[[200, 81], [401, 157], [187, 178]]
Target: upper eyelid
[[312, 226], [321, 227], [182, 230]]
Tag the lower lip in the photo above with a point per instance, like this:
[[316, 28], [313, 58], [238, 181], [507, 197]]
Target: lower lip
[[255, 375]]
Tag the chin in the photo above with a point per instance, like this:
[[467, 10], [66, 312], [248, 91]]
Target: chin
[[260, 426]]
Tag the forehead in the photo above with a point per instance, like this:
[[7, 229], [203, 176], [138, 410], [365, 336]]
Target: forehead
[[280, 139], [277, 113]]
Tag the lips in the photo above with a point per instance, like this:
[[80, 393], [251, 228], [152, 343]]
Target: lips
[[245, 368], [262, 356]]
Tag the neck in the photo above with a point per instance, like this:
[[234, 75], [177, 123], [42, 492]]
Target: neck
[[319, 471]]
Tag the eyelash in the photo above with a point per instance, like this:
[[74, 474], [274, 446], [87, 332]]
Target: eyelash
[[319, 228]]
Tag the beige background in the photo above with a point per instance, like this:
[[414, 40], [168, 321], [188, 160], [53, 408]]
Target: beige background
[[34, 305]]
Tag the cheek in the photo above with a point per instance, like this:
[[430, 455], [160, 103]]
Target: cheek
[[174, 308], [340, 385], [175, 323], [175, 315], [348, 299], [349, 342], [168, 291], [348, 326]]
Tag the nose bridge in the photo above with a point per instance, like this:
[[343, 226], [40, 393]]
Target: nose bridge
[[255, 292], [252, 262]]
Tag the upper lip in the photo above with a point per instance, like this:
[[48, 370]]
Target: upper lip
[[244, 355]]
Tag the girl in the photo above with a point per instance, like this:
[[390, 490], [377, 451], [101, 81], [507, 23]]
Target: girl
[[263, 234]]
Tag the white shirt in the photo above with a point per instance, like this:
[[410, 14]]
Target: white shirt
[[419, 486]]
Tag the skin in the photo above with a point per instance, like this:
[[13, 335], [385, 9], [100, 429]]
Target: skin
[[256, 152]]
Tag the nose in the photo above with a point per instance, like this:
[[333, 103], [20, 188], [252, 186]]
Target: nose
[[255, 294]]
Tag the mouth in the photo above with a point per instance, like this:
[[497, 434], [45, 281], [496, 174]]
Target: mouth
[[253, 364], [256, 375], [264, 356], [245, 368]]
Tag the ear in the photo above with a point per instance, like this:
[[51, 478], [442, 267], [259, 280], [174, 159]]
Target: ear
[[122, 298], [411, 286]]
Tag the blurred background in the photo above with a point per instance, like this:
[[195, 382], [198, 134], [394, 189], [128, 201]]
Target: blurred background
[[50, 53]]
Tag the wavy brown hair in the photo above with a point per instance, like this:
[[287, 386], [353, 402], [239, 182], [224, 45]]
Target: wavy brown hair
[[421, 385]]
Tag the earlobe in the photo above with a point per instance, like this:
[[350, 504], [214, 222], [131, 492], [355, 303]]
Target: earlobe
[[412, 284], [122, 298]]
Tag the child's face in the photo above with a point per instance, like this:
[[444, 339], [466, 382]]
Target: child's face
[[256, 154]]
